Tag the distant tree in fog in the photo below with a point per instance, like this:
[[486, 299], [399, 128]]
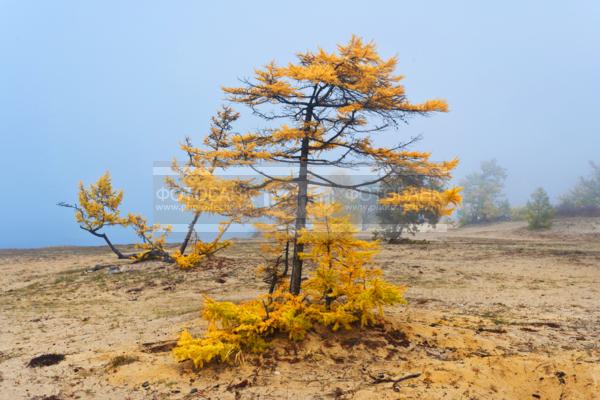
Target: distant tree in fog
[[483, 195], [584, 198], [395, 220], [539, 211]]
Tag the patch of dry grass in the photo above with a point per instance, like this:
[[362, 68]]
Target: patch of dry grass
[[120, 360]]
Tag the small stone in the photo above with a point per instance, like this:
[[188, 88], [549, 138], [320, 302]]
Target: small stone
[[114, 270]]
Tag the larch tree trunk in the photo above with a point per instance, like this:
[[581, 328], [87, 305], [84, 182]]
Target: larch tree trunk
[[188, 235], [109, 243], [296, 276]]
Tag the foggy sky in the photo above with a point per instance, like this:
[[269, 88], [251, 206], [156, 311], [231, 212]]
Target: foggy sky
[[87, 87]]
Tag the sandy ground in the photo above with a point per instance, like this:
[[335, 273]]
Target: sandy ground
[[495, 312]]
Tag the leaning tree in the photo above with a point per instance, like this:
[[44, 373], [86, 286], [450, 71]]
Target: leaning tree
[[98, 208], [202, 190], [331, 107]]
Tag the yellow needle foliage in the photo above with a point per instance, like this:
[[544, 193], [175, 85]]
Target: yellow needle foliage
[[348, 89], [440, 203], [344, 291], [356, 67], [201, 250], [99, 205], [342, 270], [153, 243]]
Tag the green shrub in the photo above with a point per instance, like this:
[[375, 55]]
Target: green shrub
[[539, 210]]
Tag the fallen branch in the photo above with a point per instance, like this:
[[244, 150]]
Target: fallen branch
[[396, 384], [383, 377], [159, 347], [409, 376]]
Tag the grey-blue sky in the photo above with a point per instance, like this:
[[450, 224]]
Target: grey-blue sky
[[110, 85]]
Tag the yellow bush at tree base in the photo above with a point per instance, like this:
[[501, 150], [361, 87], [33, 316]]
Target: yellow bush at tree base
[[344, 291], [200, 252]]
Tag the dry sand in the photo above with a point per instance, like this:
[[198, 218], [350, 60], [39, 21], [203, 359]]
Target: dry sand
[[495, 312]]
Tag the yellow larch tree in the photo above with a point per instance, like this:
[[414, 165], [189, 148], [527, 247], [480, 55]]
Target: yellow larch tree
[[332, 107], [202, 190], [98, 208]]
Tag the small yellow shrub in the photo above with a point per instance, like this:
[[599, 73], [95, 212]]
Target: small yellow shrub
[[187, 261], [344, 290], [153, 242], [202, 250]]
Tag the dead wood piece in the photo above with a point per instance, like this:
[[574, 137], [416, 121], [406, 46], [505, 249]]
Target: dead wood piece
[[382, 377], [159, 347], [240, 385], [45, 360]]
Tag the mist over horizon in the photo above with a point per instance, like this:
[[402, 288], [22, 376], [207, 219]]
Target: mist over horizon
[[94, 87]]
